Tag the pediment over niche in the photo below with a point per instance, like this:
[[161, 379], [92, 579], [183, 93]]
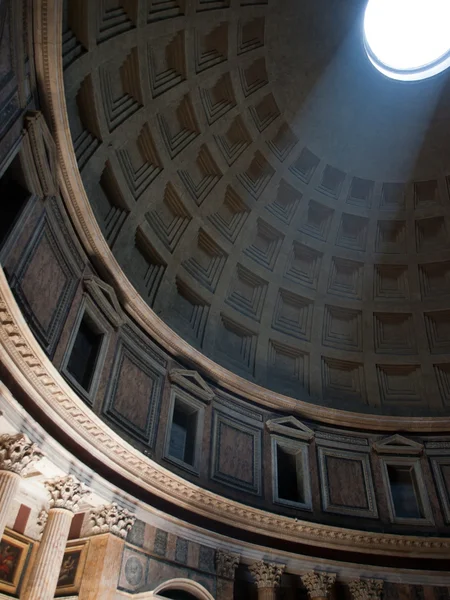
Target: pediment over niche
[[291, 427], [397, 444], [192, 382], [40, 150], [106, 299]]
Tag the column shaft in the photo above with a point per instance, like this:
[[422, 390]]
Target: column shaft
[[45, 572], [9, 486], [267, 593], [225, 589]]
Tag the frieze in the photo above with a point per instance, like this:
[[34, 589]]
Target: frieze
[[345, 439]]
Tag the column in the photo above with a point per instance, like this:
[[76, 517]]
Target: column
[[17, 454], [318, 584], [226, 564], [366, 589], [64, 496], [267, 578], [109, 526]]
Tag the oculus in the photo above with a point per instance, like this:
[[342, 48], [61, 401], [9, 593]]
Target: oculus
[[408, 39]]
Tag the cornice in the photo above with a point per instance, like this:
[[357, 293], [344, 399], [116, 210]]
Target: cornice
[[25, 360], [48, 50]]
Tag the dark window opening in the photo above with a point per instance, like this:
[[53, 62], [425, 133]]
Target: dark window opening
[[404, 492], [290, 480], [177, 595], [183, 433], [13, 198], [84, 354]]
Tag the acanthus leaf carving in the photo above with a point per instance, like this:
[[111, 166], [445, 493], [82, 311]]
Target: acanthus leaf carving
[[65, 492], [111, 518], [226, 563], [266, 575], [366, 589], [17, 453], [318, 583]]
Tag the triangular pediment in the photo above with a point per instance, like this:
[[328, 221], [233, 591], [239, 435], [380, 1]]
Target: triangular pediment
[[43, 149], [291, 427], [106, 299], [397, 444], [192, 382]]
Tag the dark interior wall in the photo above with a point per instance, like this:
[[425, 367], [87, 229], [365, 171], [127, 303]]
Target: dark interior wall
[[132, 386], [134, 394]]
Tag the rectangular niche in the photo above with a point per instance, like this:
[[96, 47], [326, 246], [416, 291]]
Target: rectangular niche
[[236, 452], [291, 481], [133, 398], [407, 497], [85, 354], [346, 483], [184, 434]]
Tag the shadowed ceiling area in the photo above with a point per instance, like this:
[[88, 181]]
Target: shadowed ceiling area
[[276, 201]]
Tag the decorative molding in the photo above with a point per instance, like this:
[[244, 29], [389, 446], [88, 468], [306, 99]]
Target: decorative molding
[[17, 453], [106, 299], [25, 360], [226, 564], [48, 57], [397, 444], [370, 509], [290, 427], [43, 148], [129, 356], [66, 492], [236, 452], [318, 584], [47, 237], [266, 575], [111, 518], [192, 382], [366, 589]]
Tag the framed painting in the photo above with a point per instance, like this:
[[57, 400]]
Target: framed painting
[[14, 553], [72, 569]]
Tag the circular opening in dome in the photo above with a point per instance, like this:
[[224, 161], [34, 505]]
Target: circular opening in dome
[[408, 39]]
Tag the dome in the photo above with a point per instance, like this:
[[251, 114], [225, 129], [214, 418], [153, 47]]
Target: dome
[[224, 305], [279, 204]]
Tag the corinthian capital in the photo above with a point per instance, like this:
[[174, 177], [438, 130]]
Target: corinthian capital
[[318, 583], [366, 589], [111, 518], [226, 564], [266, 575], [17, 453], [65, 492]]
